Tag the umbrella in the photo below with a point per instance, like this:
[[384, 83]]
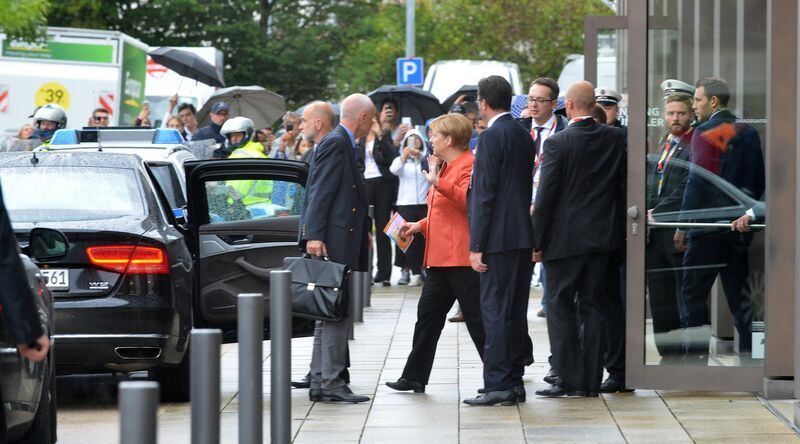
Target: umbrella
[[188, 64], [471, 91], [418, 104], [260, 105]]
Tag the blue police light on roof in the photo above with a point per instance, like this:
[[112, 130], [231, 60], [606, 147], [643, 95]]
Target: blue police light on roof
[[65, 137], [167, 135]]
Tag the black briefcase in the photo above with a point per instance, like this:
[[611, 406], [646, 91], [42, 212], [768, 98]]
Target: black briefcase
[[319, 288]]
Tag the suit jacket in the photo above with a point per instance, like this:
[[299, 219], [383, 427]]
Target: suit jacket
[[335, 208], [19, 308], [500, 193], [581, 198], [446, 228], [673, 178], [730, 150]]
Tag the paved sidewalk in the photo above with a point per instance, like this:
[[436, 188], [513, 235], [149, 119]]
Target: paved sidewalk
[[378, 354]]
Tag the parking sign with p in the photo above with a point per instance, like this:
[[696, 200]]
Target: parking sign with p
[[410, 71]]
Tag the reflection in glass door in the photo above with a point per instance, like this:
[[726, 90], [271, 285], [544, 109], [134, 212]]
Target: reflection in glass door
[[705, 180]]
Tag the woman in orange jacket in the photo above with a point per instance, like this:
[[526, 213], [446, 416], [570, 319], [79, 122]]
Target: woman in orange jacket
[[446, 259]]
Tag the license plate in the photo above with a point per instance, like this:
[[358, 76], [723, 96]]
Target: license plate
[[57, 278]]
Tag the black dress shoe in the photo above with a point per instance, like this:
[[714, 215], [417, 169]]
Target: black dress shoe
[[404, 385], [612, 385], [341, 394], [315, 395], [303, 383], [504, 397], [555, 391], [520, 392], [551, 377]]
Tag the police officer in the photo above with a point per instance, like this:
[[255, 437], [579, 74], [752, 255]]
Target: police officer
[[239, 142], [47, 119], [609, 100], [18, 304]]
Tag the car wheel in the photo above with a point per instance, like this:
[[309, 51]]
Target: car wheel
[[43, 428], [173, 381]]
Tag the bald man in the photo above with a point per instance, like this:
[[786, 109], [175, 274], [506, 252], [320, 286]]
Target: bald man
[[334, 223], [578, 224], [315, 123]]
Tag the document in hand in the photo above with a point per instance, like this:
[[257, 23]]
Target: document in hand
[[392, 230]]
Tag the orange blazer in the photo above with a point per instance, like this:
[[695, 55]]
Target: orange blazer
[[446, 228]]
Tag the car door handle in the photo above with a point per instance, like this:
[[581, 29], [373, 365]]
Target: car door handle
[[255, 270], [242, 240]]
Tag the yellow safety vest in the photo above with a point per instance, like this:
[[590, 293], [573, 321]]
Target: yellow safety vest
[[252, 191]]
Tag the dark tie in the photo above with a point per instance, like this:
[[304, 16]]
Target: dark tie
[[539, 130]]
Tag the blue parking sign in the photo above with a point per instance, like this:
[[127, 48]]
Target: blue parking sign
[[410, 71]]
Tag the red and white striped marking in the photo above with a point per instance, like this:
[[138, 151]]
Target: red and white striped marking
[[106, 101], [3, 98], [154, 69]]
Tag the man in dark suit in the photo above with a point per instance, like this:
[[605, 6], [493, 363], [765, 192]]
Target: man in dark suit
[[732, 151], [579, 222], [666, 184], [19, 309], [501, 240], [334, 223]]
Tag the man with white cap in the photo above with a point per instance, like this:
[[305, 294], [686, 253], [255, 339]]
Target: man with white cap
[[609, 100]]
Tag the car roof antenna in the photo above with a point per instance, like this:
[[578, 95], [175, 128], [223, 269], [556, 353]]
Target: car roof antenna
[[34, 159]]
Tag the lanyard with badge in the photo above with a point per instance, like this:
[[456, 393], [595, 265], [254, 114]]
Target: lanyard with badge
[[666, 154]]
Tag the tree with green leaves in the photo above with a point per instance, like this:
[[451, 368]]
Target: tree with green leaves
[[23, 19]]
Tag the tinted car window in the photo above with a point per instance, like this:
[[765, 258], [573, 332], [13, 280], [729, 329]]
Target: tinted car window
[[58, 194], [240, 200], [168, 181]]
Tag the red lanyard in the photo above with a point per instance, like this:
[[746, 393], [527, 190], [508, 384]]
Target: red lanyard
[[538, 157]]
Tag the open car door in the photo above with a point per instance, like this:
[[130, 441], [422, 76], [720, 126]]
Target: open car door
[[243, 218]]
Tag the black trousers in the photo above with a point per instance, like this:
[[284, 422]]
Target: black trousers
[[664, 278], [614, 315], [412, 258], [708, 255], [575, 319], [444, 286], [505, 289], [382, 193]]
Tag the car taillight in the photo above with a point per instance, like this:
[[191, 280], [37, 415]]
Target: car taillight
[[129, 259]]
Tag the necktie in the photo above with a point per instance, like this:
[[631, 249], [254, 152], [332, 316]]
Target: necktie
[[539, 130]]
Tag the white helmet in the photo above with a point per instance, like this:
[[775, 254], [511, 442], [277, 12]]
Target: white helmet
[[237, 125], [52, 113]]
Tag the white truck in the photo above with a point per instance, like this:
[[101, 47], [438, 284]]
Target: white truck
[[162, 83], [79, 69]]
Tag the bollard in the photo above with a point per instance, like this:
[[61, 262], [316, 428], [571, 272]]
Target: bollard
[[280, 338], [138, 403], [205, 384], [250, 314], [357, 298], [367, 285], [370, 268]]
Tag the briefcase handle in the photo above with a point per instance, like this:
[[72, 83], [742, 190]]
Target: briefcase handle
[[324, 258]]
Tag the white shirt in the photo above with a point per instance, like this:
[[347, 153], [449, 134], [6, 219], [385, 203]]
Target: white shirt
[[549, 130], [371, 170], [413, 187], [492, 120]]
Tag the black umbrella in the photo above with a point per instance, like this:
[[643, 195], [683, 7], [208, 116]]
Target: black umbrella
[[471, 91], [418, 104], [188, 65]]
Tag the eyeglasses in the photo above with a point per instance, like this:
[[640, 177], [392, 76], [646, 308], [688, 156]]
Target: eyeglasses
[[539, 100], [100, 117]]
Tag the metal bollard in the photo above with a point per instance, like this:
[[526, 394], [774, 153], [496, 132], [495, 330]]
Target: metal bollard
[[357, 297], [367, 289], [205, 384], [250, 313], [280, 338], [138, 403], [370, 268]]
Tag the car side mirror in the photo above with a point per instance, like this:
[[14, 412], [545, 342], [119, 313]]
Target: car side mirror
[[47, 245]]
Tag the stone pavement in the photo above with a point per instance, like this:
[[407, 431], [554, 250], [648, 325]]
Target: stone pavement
[[378, 354]]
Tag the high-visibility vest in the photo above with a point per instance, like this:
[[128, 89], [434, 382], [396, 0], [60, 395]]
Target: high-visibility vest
[[252, 191]]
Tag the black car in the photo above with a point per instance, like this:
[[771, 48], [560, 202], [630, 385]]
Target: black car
[[29, 387], [137, 276]]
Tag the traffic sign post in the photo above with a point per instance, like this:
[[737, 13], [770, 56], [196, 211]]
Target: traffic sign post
[[410, 71]]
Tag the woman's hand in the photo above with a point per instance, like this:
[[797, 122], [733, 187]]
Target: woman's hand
[[410, 229], [432, 176]]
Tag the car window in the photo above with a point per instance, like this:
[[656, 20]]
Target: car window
[[61, 193], [166, 178], [240, 200]]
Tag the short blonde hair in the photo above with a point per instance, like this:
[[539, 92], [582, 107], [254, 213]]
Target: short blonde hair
[[455, 125]]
